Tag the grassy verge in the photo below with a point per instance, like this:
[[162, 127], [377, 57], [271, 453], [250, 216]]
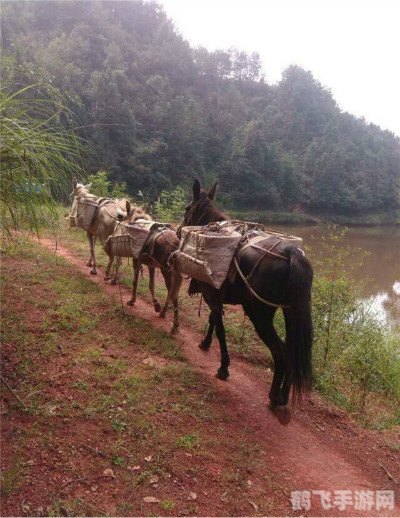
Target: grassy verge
[[377, 218], [275, 217], [114, 414]]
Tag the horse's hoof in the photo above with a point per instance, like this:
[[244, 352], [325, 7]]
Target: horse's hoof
[[93, 272], [89, 263], [114, 281], [157, 307], [175, 330], [131, 302], [204, 346], [222, 374], [162, 314], [107, 278], [283, 414]]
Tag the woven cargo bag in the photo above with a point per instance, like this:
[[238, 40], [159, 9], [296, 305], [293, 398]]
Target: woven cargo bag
[[206, 253], [129, 239], [86, 209]]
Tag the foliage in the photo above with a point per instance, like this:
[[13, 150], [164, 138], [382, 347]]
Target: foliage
[[158, 112], [38, 155], [171, 205], [355, 355], [103, 187]]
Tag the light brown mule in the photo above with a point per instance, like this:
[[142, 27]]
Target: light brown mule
[[103, 224]]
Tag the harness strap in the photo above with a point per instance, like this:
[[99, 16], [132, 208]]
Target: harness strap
[[151, 240], [252, 242], [244, 279]]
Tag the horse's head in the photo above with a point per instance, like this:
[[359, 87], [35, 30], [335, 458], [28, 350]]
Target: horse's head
[[201, 210], [80, 190]]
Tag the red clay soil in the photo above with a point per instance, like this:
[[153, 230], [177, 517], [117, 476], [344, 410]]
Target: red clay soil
[[321, 448]]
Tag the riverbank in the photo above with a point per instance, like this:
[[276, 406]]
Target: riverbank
[[301, 218]]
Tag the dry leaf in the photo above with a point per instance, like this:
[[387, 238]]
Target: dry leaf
[[151, 500], [109, 473]]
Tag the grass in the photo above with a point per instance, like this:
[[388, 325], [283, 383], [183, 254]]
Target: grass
[[11, 477], [188, 441], [94, 403]]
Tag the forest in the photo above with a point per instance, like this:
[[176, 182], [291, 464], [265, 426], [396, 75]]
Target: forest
[[155, 113]]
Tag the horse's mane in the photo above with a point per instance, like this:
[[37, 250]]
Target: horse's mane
[[138, 213]]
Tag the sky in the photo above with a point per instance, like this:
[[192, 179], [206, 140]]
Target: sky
[[351, 46]]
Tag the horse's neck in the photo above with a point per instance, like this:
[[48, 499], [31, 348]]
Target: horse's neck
[[213, 215], [83, 193]]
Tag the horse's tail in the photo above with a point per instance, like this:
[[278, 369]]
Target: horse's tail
[[299, 330]]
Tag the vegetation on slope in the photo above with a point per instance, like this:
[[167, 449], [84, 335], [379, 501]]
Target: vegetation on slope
[[38, 155], [158, 112]]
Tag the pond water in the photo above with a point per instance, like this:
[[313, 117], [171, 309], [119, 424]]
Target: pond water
[[379, 272]]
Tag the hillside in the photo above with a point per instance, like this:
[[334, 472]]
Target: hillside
[[157, 112]]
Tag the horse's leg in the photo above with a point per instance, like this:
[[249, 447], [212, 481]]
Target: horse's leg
[[205, 344], [156, 304], [92, 242], [168, 283], [116, 270], [213, 298], [89, 238], [176, 285], [262, 319], [136, 271], [107, 276]]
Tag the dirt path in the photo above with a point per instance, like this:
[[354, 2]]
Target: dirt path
[[319, 450]]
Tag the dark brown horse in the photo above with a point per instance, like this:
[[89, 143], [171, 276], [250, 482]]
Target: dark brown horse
[[155, 254], [282, 279]]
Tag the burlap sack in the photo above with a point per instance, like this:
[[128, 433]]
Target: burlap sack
[[206, 253], [86, 209], [129, 239]]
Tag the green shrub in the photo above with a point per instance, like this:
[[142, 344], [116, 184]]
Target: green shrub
[[102, 186], [354, 355], [171, 205]]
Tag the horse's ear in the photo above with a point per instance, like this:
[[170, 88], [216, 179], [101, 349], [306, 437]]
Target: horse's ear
[[212, 191], [88, 186], [196, 190], [74, 182], [128, 208]]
